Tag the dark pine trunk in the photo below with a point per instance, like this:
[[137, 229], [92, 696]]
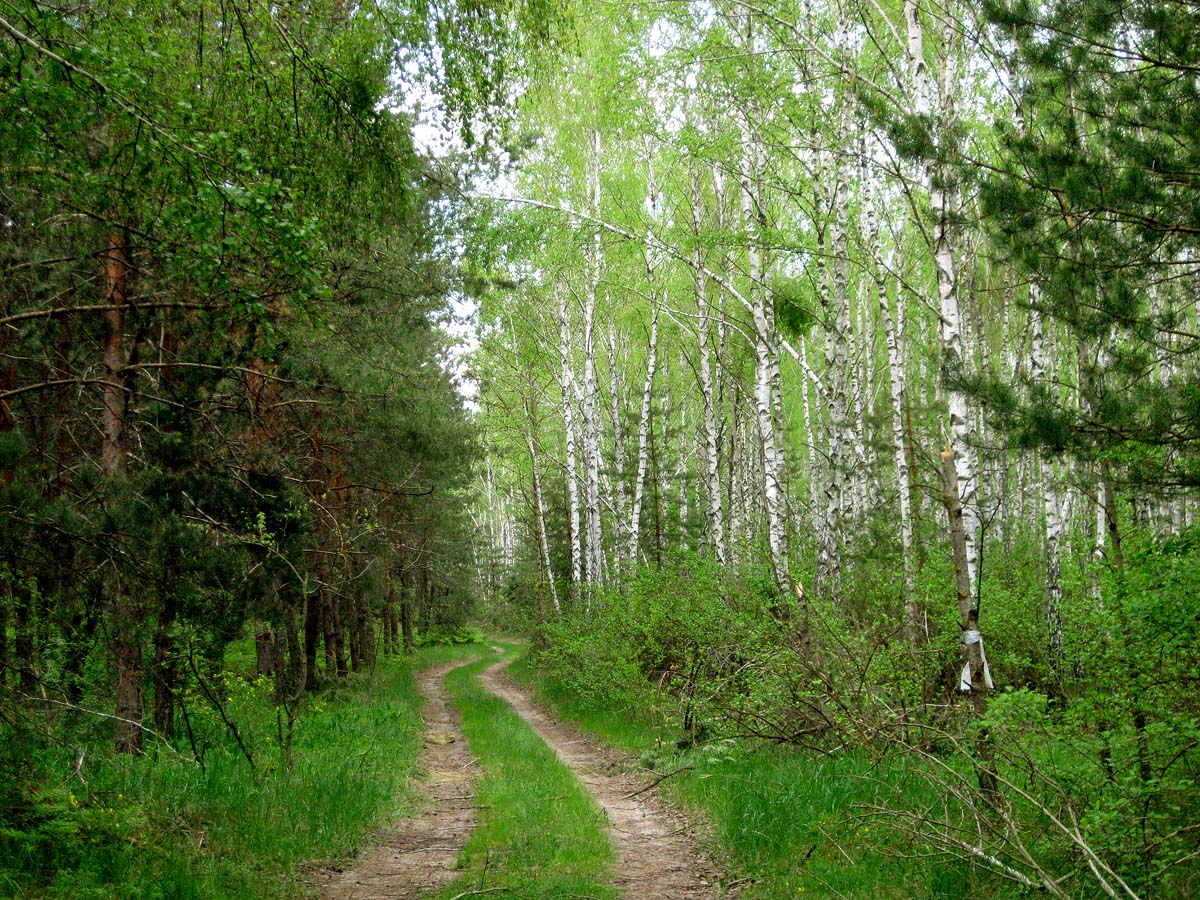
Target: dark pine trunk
[[166, 669], [406, 616], [24, 645], [127, 649], [312, 637]]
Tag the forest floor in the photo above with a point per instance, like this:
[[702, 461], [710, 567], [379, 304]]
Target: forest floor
[[657, 854]]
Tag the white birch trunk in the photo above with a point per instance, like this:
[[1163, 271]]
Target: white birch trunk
[[621, 500], [635, 515], [633, 529], [828, 512], [681, 470], [567, 385], [714, 520], [863, 349], [838, 374], [1053, 525], [726, 405], [591, 431], [815, 469], [766, 364], [896, 382], [660, 451], [948, 305], [737, 467], [859, 339]]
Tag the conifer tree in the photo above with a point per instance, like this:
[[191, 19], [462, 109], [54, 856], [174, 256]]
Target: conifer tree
[[1096, 201]]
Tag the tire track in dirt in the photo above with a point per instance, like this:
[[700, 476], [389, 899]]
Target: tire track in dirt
[[657, 858], [419, 854]]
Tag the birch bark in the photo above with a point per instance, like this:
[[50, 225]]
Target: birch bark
[[567, 385], [714, 527], [726, 400], [815, 470], [836, 301], [766, 360], [591, 429], [828, 512], [635, 515], [950, 325], [621, 500], [681, 469], [896, 383], [1053, 524]]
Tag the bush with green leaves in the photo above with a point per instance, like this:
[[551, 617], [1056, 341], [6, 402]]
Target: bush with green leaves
[[674, 642], [449, 636]]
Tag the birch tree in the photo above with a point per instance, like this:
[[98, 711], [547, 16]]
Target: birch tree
[[568, 393], [714, 515], [644, 422], [590, 423]]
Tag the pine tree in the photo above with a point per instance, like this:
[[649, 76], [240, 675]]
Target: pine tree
[[1097, 202]]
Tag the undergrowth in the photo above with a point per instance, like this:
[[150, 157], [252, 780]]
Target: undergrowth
[[166, 826], [786, 823], [834, 754]]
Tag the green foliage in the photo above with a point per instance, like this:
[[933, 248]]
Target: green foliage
[[240, 178], [794, 305], [1087, 202], [78, 821], [666, 641], [450, 636]]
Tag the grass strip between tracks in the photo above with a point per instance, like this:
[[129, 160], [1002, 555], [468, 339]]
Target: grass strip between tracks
[[540, 835]]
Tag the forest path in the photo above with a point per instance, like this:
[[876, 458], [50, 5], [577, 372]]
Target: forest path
[[657, 857], [419, 854]]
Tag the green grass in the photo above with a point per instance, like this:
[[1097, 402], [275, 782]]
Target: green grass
[[789, 820], [539, 834], [785, 822], [162, 827]]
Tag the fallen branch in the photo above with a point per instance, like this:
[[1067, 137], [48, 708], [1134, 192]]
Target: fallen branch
[[149, 732], [655, 783]]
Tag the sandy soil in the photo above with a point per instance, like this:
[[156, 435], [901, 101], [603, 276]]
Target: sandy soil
[[419, 854], [657, 855]]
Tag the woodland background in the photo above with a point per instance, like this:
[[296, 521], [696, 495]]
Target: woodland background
[[819, 347]]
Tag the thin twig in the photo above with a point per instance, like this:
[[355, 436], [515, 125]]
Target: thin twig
[[657, 781], [231, 725]]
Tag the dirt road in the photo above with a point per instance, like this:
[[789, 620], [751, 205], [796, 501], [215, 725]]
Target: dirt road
[[418, 855], [657, 854]]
